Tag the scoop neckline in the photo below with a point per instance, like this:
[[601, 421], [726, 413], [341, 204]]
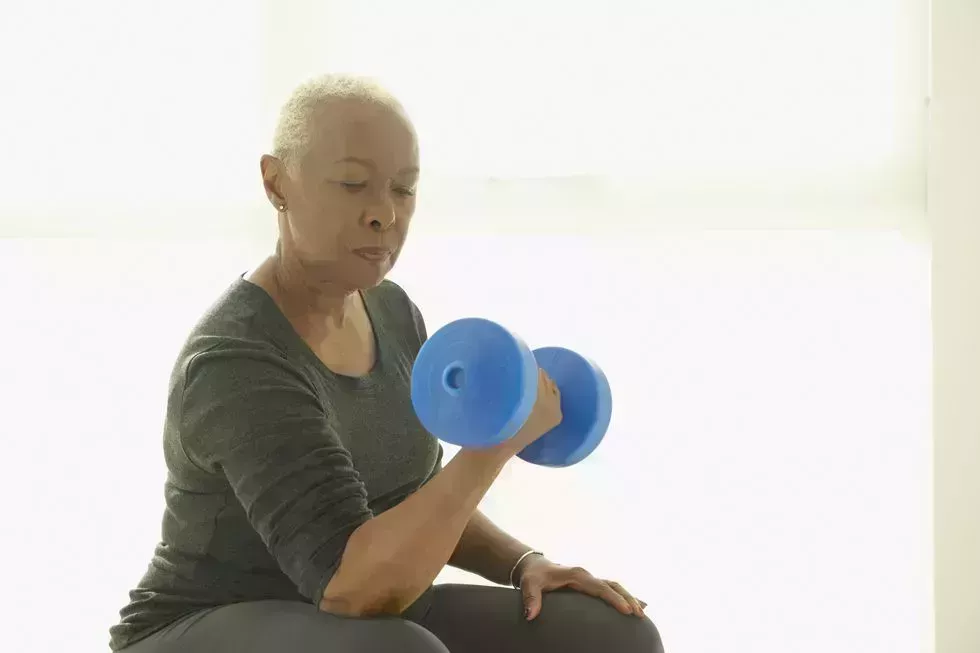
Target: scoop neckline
[[302, 346]]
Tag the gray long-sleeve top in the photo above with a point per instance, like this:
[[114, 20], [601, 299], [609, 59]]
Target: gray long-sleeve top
[[273, 460]]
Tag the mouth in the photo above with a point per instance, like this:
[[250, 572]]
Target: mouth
[[373, 254]]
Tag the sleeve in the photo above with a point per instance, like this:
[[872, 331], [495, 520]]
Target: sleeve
[[252, 417]]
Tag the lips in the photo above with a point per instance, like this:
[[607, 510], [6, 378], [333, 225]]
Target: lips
[[373, 253]]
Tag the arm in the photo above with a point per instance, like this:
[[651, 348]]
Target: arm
[[483, 548], [390, 560], [486, 550], [249, 416], [393, 558], [245, 415]]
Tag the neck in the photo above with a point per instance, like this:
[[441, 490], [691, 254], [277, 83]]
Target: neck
[[312, 304]]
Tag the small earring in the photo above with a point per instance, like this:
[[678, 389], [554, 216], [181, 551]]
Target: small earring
[[282, 207]]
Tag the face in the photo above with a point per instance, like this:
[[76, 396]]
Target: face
[[351, 198]]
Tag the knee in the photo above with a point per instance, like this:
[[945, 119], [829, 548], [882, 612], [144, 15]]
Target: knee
[[643, 637], [593, 624], [630, 634]]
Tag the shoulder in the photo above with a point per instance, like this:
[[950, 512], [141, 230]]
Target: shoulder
[[242, 310], [238, 358], [237, 334]]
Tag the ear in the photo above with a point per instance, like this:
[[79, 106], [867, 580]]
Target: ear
[[274, 179]]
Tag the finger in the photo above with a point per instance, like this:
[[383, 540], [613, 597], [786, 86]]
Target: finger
[[633, 601], [546, 378], [531, 591], [600, 590]]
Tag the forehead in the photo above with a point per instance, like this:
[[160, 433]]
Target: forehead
[[366, 130]]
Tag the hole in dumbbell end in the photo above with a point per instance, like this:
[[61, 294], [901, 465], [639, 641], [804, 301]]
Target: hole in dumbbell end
[[454, 378]]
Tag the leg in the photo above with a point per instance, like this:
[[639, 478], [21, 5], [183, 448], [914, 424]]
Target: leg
[[286, 627], [478, 619]]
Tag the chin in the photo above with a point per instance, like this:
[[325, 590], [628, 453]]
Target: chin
[[368, 281], [374, 283], [370, 275], [357, 276]]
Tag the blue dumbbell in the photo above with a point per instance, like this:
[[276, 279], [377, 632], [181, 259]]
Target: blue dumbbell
[[474, 384]]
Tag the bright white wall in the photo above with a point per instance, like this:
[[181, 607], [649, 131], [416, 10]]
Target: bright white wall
[[954, 218], [780, 114], [765, 478], [753, 280]]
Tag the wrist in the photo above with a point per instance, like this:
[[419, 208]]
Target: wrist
[[492, 459], [495, 458], [521, 564]]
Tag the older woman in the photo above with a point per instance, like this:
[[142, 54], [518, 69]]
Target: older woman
[[307, 509]]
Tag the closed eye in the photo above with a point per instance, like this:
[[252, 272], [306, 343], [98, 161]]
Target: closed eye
[[405, 191], [353, 186]]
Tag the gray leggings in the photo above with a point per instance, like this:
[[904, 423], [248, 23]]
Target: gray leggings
[[448, 618]]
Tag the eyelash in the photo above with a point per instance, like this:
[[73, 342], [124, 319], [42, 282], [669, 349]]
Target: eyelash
[[357, 186]]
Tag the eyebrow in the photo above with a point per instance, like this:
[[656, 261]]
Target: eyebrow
[[367, 163]]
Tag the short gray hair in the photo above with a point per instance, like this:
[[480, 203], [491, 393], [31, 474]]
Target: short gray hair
[[292, 135]]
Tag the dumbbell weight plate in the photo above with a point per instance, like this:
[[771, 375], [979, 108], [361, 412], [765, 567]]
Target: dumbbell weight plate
[[474, 383], [586, 404]]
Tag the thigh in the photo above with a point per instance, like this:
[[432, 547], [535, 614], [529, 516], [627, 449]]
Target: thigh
[[478, 619], [287, 627]]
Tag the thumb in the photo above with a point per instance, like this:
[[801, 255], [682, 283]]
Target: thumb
[[531, 590]]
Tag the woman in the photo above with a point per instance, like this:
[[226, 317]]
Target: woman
[[307, 509]]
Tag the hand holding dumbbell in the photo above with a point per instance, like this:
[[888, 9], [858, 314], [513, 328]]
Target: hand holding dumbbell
[[545, 415], [476, 384]]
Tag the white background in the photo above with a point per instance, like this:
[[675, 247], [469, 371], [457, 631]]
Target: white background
[[722, 203]]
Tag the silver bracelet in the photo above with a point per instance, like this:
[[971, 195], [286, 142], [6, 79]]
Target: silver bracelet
[[518, 564]]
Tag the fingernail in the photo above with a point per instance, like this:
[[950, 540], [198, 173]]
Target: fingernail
[[527, 613]]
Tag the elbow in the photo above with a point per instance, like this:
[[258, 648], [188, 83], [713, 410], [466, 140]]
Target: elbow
[[368, 582], [365, 603], [367, 591], [343, 606]]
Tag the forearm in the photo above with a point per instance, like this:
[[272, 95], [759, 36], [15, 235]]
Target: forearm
[[391, 559], [486, 550]]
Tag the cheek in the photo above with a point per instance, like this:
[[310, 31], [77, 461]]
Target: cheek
[[405, 213], [317, 234]]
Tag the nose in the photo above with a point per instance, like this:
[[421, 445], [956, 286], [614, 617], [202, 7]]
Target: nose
[[380, 216]]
